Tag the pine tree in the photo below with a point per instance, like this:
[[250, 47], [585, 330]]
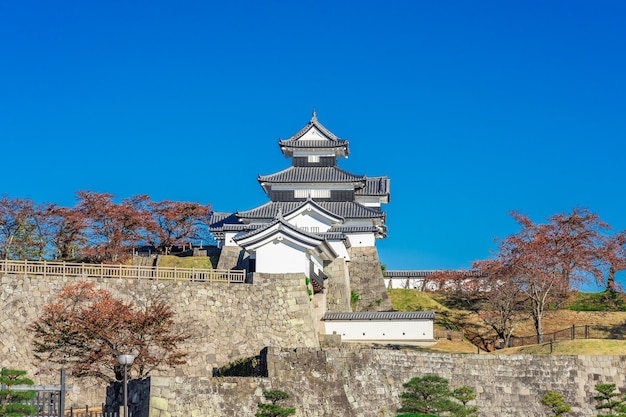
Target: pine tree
[[12, 401], [273, 409], [556, 403], [610, 400]]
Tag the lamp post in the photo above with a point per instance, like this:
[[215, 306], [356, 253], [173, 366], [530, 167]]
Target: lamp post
[[125, 360]]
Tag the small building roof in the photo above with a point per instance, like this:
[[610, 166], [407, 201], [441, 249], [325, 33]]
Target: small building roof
[[375, 186], [312, 175], [279, 226], [328, 140], [380, 316], [344, 209], [416, 273]]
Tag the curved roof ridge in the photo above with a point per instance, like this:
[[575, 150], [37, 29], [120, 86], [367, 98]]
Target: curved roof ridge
[[311, 175], [314, 122]]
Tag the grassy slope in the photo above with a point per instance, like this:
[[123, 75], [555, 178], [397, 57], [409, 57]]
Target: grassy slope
[[452, 316], [203, 262]]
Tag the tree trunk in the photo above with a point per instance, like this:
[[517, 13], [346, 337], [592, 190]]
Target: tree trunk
[[610, 280]]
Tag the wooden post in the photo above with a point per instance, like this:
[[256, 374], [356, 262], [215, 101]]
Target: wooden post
[[573, 331]]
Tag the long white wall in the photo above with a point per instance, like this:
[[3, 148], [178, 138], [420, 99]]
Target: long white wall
[[381, 330]]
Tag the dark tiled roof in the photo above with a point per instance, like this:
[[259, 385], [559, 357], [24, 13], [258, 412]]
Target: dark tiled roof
[[333, 236], [218, 220], [345, 209], [312, 175], [314, 123], [375, 186], [354, 229], [421, 273], [381, 316], [283, 225], [408, 273]]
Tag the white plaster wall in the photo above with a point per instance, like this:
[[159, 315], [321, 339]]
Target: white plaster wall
[[381, 329], [228, 238], [410, 283], [280, 257], [309, 220], [362, 239], [368, 201], [313, 185], [357, 222], [340, 249]]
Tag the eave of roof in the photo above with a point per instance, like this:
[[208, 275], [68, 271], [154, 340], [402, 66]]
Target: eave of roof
[[375, 186], [299, 174], [343, 209], [380, 316], [333, 142]]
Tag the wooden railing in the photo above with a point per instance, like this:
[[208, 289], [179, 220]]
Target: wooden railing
[[68, 269]]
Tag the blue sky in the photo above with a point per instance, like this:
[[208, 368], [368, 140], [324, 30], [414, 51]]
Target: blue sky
[[473, 109]]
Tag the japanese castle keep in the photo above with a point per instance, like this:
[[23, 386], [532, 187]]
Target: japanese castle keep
[[321, 221]]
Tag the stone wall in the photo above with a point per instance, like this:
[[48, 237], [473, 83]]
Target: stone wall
[[226, 321], [368, 382], [366, 279], [337, 286], [232, 257]]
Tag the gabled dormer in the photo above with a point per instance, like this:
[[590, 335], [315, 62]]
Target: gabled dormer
[[314, 145], [311, 217]]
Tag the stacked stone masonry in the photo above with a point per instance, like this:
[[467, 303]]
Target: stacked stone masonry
[[226, 321], [349, 382], [234, 321], [366, 279]]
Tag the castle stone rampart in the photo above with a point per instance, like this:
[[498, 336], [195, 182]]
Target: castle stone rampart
[[352, 382], [226, 321]]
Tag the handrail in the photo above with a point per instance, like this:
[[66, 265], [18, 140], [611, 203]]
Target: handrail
[[159, 273]]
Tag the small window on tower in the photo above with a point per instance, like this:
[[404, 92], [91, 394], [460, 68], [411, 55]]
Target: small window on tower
[[314, 158]]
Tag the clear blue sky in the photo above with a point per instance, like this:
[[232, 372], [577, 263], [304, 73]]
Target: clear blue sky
[[473, 109]]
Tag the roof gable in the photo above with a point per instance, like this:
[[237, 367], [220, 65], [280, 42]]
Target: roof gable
[[310, 207], [281, 230], [314, 136]]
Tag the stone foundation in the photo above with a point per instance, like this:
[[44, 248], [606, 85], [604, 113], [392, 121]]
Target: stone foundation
[[337, 286], [367, 281], [356, 382], [226, 321]]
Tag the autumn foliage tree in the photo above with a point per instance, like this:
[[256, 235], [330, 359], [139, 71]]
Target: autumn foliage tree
[[174, 223], [99, 228], [536, 268], [22, 228], [87, 328]]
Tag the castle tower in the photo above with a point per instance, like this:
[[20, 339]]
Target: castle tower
[[321, 221]]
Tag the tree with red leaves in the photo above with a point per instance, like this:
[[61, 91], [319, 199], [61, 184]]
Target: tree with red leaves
[[67, 231], [175, 223], [547, 260], [87, 328], [613, 258], [23, 228], [496, 299], [112, 229]]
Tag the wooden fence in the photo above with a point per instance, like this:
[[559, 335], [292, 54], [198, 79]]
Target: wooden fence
[[575, 332], [67, 269]]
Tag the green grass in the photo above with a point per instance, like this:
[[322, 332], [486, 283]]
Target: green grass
[[571, 347], [412, 300], [203, 262], [597, 301]]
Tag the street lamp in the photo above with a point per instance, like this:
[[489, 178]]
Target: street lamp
[[125, 360]]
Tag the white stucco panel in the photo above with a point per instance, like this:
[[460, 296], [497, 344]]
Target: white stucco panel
[[361, 239], [281, 256], [381, 329], [311, 221]]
